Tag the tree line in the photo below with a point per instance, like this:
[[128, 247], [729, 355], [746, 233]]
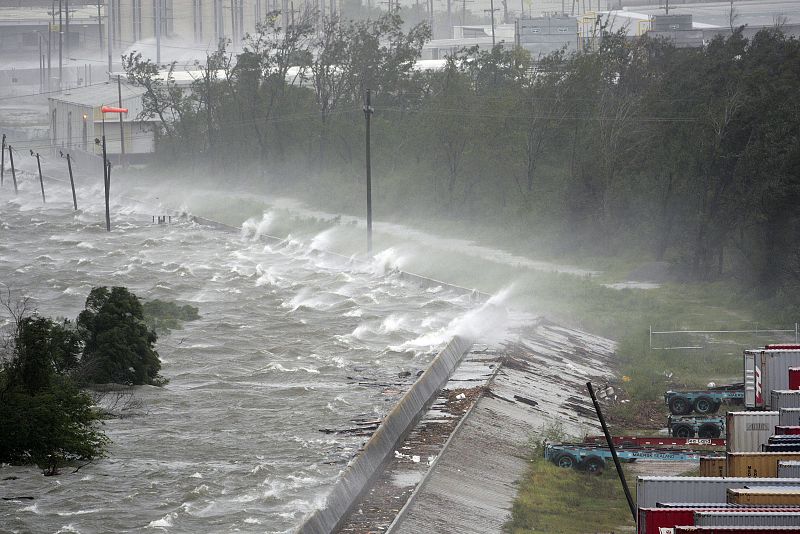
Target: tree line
[[686, 155]]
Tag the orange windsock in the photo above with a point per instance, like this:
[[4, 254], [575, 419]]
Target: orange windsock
[[109, 109]]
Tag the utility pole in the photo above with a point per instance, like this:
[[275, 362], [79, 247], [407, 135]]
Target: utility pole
[[108, 33], [66, 23], [100, 25], [41, 181], [158, 33], [3, 161], [666, 7], [492, 10], [121, 127], [449, 20], [60, 47], [71, 180], [367, 113], [106, 176], [49, 60], [13, 170], [41, 65]]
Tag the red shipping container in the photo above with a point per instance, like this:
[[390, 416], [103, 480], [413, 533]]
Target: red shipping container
[[652, 520], [661, 520], [786, 430], [739, 530], [781, 347], [794, 377]]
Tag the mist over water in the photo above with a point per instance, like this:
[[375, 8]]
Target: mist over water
[[290, 341]]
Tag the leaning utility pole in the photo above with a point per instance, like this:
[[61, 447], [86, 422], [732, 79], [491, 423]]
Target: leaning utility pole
[[367, 112], [13, 171], [41, 180], [71, 180]]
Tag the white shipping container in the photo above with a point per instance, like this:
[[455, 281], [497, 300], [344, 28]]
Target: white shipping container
[[784, 398], [746, 519], [765, 370], [747, 431], [652, 490], [789, 469], [790, 416]]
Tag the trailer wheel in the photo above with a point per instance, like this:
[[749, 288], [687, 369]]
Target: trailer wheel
[[705, 405], [680, 405], [682, 431], [709, 430], [595, 465], [565, 460]]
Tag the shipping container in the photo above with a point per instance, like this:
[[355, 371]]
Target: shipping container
[[713, 466], [784, 438], [651, 490], [784, 398], [761, 496], [747, 431], [757, 464], [655, 520], [717, 505], [781, 447], [787, 431], [734, 530], [790, 469], [765, 370], [789, 417], [745, 518], [794, 378]]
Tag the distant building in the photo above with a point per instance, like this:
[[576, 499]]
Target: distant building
[[76, 120], [24, 29], [543, 35]]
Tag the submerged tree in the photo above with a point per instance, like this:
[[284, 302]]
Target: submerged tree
[[44, 418], [119, 346]]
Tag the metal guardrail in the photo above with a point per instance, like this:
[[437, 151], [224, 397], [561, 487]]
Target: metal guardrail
[[756, 331]]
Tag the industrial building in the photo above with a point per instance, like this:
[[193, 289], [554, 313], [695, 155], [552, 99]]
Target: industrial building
[[76, 120]]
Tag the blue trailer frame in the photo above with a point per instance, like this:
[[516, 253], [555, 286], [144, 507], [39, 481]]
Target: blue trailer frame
[[689, 426], [592, 458], [705, 401]]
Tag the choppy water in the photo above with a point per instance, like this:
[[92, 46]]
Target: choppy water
[[233, 441]]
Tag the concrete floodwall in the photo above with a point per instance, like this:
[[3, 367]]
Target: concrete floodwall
[[367, 466]]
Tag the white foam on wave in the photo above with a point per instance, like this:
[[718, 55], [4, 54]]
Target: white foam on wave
[[491, 323], [323, 240], [165, 522], [79, 512], [254, 228], [278, 367], [388, 260]]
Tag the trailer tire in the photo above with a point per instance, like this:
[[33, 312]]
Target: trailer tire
[[682, 431], [709, 430], [705, 405], [680, 405], [594, 465], [565, 460]]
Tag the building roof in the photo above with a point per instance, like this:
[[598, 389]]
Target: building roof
[[99, 94], [43, 16]]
